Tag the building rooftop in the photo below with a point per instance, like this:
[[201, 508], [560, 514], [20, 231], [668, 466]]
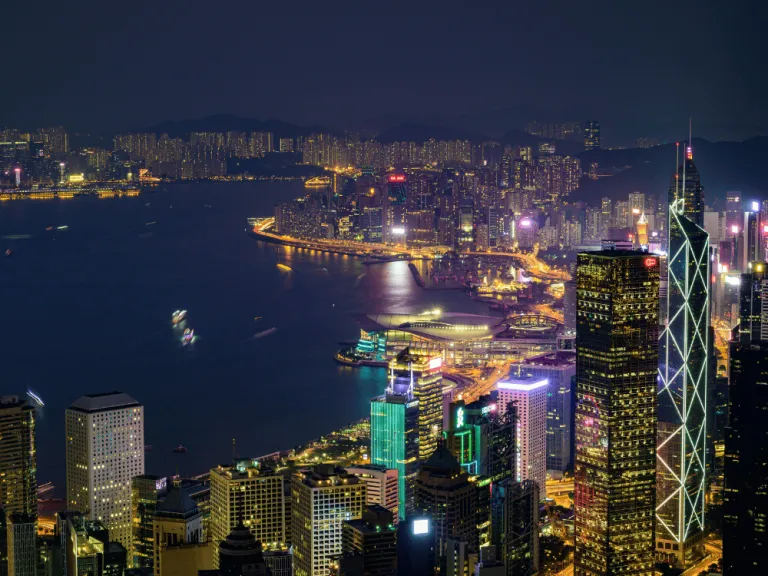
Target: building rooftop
[[556, 359], [177, 503], [104, 401], [434, 326], [522, 383]]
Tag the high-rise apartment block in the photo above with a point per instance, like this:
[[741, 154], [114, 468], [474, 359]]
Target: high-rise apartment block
[[616, 368], [105, 451], [592, 135]]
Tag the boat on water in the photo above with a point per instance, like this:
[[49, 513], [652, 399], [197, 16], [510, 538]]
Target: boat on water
[[147, 447], [188, 336], [284, 268], [178, 316], [266, 332], [35, 398], [48, 228], [180, 449], [257, 318], [8, 252]]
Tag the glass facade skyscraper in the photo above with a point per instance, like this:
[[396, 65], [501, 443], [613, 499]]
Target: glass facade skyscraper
[[394, 442], [616, 366], [683, 372]]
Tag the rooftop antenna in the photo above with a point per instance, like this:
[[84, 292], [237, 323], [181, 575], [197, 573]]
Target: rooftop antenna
[[234, 449], [689, 151]]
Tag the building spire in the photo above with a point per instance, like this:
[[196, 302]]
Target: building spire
[[689, 150]]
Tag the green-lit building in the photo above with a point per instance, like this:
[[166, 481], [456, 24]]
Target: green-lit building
[[481, 438], [617, 355], [394, 441]]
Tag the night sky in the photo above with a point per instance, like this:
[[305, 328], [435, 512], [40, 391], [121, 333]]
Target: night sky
[[640, 67]]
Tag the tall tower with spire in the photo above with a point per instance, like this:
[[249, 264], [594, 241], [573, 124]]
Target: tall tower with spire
[[681, 436]]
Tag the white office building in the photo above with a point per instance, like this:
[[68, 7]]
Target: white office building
[[380, 485], [529, 394], [105, 450]]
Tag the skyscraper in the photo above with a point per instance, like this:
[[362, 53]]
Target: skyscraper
[[445, 495], [179, 539], [374, 538], [753, 304], [529, 394], [592, 135], [322, 498], [616, 367], [745, 498], [18, 457], [481, 438], [395, 440], [558, 368], [21, 540], [521, 528], [253, 495], [683, 367], [105, 450], [423, 376], [734, 218], [146, 491]]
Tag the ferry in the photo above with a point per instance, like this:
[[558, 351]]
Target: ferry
[[180, 449], [188, 336], [266, 332], [37, 400], [284, 268], [317, 181], [178, 316]]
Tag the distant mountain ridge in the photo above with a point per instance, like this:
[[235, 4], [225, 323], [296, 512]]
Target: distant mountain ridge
[[723, 166]]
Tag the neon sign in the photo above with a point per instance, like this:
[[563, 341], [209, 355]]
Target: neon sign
[[650, 262], [397, 178]]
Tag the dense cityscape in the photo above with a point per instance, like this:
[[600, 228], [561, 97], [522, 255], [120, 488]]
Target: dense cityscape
[[604, 417], [383, 289]]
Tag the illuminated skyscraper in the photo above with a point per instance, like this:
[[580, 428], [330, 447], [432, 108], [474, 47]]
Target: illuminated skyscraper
[[395, 441], [105, 451], [18, 457], [616, 366], [254, 495], [322, 498], [146, 491], [529, 394], [481, 438], [558, 368], [734, 217], [592, 135], [423, 376], [683, 368], [753, 304]]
